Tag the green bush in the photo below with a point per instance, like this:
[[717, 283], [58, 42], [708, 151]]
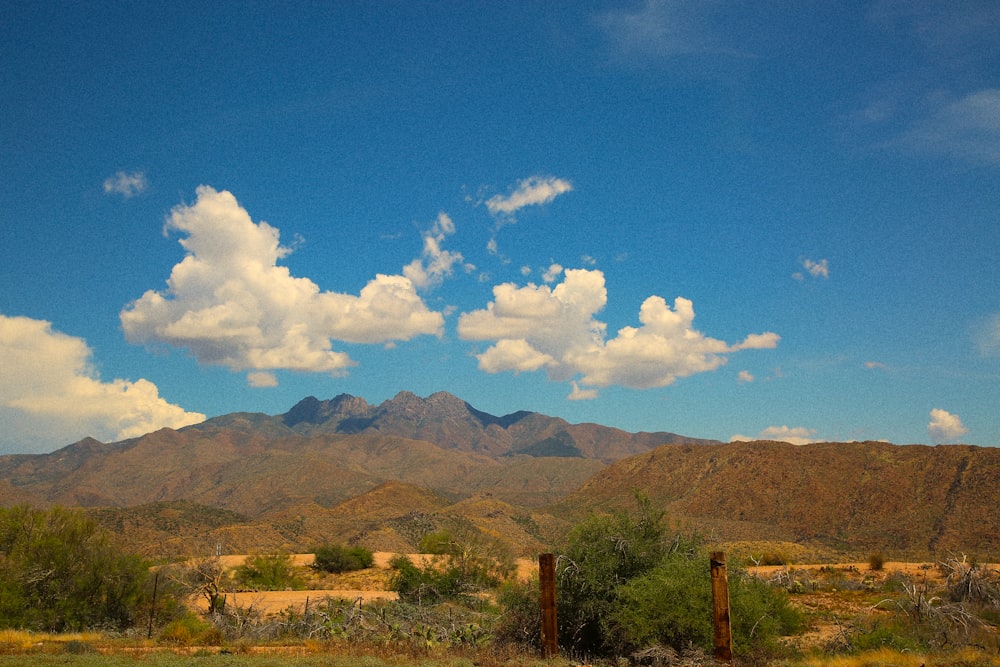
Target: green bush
[[876, 561], [456, 577], [440, 542], [603, 553], [337, 558], [268, 572], [60, 572], [624, 584], [520, 624], [188, 630]]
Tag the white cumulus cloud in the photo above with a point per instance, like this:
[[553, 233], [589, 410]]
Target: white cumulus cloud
[[229, 302], [945, 426], [51, 396], [126, 185], [554, 328]]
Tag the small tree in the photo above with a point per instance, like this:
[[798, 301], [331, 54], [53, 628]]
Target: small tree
[[205, 578], [337, 558], [268, 572]]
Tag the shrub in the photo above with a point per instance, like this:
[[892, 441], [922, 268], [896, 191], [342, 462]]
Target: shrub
[[876, 561], [59, 572], [438, 542], [455, 577], [624, 585], [337, 558], [520, 624], [602, 554], [268, 572], [188, 630]]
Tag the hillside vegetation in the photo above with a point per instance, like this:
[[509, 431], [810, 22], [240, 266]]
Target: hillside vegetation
[[385, 476]]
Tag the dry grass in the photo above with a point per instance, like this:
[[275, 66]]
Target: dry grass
[[967, 657], [16, 641]]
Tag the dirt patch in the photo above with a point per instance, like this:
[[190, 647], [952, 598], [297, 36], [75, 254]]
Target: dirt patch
[[363, 585]]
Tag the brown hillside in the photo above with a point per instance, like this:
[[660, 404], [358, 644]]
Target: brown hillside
[[901, 499]]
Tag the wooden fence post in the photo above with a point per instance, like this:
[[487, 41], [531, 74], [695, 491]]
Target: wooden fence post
[[547, 599], [720, 608]]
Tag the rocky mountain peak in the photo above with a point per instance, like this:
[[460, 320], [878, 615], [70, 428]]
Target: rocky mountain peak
[[311, 410]]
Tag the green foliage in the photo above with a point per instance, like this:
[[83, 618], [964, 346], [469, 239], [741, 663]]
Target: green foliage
[[188, 630], [602, 554], [59, 571], [456, 577], [520, 624], [268, 572], [876, 561], [440, 542], [623, 584], [337, 558]]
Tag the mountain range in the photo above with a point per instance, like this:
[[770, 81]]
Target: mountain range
[[385, 475]]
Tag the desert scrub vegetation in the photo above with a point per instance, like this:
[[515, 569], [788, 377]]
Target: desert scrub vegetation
[[337, 558], [268, 572], [917, 614], [60, 572], [626, 587]]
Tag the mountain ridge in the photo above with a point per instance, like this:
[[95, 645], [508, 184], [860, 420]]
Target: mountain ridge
[[384, 475]]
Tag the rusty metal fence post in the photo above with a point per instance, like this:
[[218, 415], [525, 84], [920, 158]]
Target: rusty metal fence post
[[547, 600]]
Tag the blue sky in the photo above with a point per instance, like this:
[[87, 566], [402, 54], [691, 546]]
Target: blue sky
[[727, 220]]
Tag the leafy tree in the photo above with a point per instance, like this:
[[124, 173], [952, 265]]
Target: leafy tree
[[59, 571], [337, 558]]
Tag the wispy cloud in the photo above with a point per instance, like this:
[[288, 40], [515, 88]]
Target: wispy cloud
[[554, 328], [745, 377], [986, 336], [229, 302], [552, 273], [579, 394], [50, 394], [436, 263], [945, 426], [659, 28], [815, 268], [126, 185], [533, 191], [261, 379], [793, 435], [966, 128]]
